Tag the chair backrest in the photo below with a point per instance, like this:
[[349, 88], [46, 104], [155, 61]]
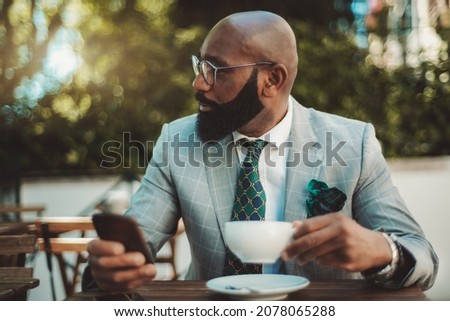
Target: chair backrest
[[17, 244], [56, 238], [13, 249], [50, 229], [15, 212], [15, 278], [62, 224]]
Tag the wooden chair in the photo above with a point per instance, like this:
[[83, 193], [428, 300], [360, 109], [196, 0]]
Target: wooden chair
[[15, 212], [15, 278], [13, 249], [13, 228], [54, 239]]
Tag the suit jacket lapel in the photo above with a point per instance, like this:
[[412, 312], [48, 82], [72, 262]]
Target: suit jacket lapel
[[221, 166], [304, 160]]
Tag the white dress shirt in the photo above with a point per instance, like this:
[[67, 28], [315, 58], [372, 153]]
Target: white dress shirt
[[272, 170]]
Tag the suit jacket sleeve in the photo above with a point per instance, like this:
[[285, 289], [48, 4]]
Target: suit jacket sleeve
[[378, 205], [155, 205]]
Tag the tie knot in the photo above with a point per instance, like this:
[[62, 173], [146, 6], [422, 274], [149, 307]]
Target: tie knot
[[254, 148]]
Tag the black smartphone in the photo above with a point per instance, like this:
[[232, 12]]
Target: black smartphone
[[123, 229]]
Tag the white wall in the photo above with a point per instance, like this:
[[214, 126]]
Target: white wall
[[425, 186], [423, 183], [66, 196]]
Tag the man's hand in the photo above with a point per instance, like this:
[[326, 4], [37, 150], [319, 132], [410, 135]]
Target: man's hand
[[115, 270], [336, 240]]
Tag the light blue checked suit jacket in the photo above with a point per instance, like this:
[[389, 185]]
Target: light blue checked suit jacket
[[197, 182]]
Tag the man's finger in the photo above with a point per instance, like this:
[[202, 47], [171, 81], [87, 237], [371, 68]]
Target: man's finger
[[129, 259], [105, 248]]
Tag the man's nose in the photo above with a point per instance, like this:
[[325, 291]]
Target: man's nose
[[199, 84]]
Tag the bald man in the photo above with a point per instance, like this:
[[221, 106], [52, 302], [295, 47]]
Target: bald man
[[244, 73]]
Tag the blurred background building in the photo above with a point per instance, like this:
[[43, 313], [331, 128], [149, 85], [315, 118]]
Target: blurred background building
[[410, 26]]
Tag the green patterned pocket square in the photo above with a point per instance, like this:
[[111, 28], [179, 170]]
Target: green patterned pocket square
[[323, 200]]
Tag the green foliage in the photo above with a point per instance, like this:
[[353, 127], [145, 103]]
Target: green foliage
[[320, 13], [409, 107], [135, 76], [419, 108]]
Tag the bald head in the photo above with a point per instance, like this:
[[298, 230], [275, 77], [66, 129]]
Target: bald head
[[260, 36]]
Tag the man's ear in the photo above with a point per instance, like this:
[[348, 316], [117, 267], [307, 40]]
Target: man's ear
[[276, 79]]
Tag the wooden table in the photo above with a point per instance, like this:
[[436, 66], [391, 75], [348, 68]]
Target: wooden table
[[336, 290], [16, 289]]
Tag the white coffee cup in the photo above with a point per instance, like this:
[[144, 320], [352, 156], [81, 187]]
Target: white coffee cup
[[258, 241]]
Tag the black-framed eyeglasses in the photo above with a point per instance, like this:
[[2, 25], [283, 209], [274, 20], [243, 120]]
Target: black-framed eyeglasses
[[209, 71]]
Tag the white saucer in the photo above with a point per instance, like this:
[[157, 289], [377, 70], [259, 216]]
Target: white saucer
[[257, 286]]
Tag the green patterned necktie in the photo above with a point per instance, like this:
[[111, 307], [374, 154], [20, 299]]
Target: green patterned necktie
[[249, 204]]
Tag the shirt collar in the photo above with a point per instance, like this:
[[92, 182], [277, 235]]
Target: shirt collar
[[277, 135]]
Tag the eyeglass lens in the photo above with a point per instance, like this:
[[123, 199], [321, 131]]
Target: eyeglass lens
[[207, 72], [204, 68]]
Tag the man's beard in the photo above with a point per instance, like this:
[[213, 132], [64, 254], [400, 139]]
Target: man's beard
[[225, 118]]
